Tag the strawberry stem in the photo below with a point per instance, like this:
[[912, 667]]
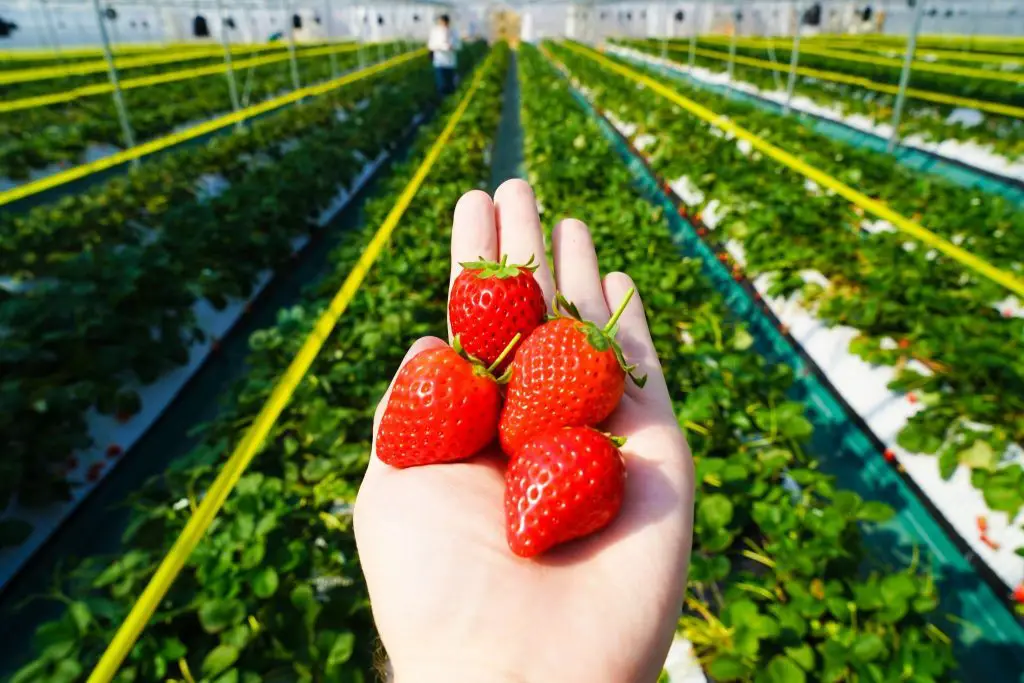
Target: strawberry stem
[[504, 354], [619, 311]]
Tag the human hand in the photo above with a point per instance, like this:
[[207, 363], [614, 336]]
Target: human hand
[[450, 600]]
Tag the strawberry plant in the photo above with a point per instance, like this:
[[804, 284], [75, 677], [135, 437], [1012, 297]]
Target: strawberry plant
[[782, 584], [274, 591]]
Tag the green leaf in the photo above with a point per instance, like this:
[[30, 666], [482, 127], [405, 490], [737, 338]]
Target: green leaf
[[742, 340], [979, 456], [715, 511], [264, 584], [217, 615], [873, 511], [897, 587], [316, 469], [341, 651], [728, 668], [66, 671], [219, 659], [81, 615], [782, 669], [802, 655], [868, 647]]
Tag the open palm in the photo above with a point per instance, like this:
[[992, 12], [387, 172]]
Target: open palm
[[450, 600]]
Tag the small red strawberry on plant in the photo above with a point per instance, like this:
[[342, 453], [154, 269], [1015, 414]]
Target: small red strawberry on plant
[[490, 303], [563, 484], [568, 373], [443, 407], [113, 450]]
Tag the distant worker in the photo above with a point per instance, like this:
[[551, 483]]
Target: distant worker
[[443, 42]]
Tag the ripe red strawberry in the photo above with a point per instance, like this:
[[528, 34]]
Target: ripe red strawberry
[[568, 373], [113, 450], [564, 484], [442, 408], [492, 302], [1018, 594]]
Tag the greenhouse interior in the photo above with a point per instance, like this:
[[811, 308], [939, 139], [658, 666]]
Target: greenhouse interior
[[546, 342]]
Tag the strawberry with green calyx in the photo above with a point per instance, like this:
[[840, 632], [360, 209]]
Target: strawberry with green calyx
[[563, 484], [491, 302], [443, 407], [568, 373]]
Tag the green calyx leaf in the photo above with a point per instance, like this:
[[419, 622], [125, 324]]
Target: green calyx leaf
[[601, 338], [501, 270], [488, 371]]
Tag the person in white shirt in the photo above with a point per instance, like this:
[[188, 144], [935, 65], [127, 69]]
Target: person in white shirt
[[443, 42]]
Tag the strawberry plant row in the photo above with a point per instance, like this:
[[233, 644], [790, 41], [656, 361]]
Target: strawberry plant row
[[960, 163], [952, 352], [274, 591], [781, 585], [59, 77], [16, 59], [990, 90], [108, 321], [41, 140], [931, 122]]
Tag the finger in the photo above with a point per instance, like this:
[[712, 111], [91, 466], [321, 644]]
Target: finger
[[635, 339], [418, 346], [519, 232], [576, 269], [474, 235]]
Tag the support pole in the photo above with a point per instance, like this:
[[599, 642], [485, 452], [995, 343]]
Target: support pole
[[693, 35], [361, 22], [229, 73], [392, 30], [50, 28], [328, 30], [732, 43], [377, 16], [122, 111], [290, 28], [908, 58], [668, 25], [794, 59]]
